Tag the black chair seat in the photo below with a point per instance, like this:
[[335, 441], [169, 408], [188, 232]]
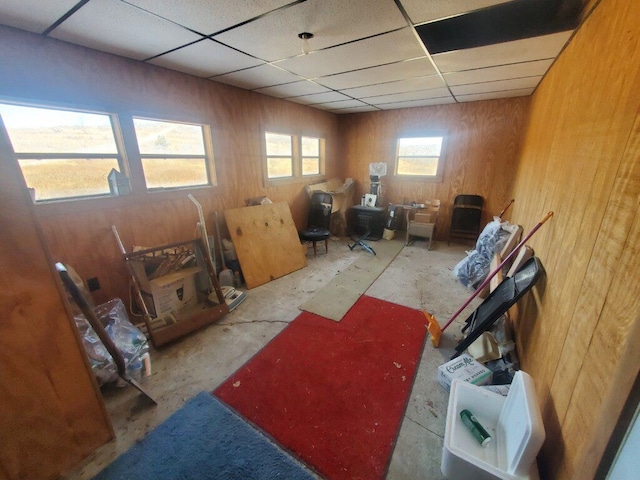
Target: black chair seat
[[314, 233]]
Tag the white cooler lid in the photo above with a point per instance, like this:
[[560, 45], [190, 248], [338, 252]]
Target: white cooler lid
[[521, 424]]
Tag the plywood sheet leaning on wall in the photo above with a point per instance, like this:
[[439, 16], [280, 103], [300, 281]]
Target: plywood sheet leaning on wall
[[266, 241]]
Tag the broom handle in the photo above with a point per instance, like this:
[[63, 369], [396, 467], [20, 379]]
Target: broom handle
[[506, 208], [224, 265], [134, 279], [498, 268]]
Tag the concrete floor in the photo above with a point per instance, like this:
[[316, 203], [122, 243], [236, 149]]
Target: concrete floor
[[416, 278]]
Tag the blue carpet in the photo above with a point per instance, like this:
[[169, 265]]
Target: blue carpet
[[205, 440]]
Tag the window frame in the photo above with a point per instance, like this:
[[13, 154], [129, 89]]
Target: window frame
[[294, 153], [208, 157], [120, 156], [438, 177], [319, 157], [297, 158]]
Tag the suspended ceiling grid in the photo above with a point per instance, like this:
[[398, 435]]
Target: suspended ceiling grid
[[365, 55]]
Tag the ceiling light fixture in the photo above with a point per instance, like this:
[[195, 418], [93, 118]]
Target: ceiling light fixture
[[305, 36]]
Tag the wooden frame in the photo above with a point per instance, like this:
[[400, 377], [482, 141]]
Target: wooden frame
[[206, 311]]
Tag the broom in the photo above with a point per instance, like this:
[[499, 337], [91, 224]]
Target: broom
[[434, 327]]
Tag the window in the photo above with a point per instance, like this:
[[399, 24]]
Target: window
[[310, 156], [420, 157], [293, 156], [174, 154], [62, 153], [279, 155]]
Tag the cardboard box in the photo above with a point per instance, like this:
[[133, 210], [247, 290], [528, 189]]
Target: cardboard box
[[464, 368], [171, 293]]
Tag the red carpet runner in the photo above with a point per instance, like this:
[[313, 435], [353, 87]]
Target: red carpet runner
[[334, 393]]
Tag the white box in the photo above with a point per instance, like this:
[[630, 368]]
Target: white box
[[464, 368], [171, 293], [514, 423]]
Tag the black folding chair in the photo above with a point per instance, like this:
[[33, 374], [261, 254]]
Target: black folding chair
[[499, 301]]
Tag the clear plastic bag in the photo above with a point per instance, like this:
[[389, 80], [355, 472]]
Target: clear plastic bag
[[474, 268], [126, 336]]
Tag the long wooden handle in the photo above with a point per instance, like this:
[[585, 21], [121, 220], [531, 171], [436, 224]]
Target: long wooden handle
[[92, 318], [506, 208], [134, 279], [498, 268]]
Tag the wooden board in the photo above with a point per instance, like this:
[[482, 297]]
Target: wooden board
[[266, 242], [51, 411]]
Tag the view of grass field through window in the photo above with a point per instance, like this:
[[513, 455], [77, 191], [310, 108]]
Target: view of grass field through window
[[283, 158], [418, 156], [62, 153], [163, 147], [68, 178], [279, 155], [310, 156], [67, 154]]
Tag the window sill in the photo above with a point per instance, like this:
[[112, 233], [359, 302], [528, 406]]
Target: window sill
[[274, 182], [419, 178], [109, 202]]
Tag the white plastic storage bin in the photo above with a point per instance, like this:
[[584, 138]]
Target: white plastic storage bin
[[514, 423]]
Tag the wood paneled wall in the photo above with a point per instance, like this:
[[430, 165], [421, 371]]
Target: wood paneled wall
[[50, 415], [79, 232], [581, 159], [482, 145]]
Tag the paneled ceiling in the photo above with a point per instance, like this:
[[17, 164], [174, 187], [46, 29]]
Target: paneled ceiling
[[365, 55]]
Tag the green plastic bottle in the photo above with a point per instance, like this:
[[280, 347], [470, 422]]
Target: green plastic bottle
[[476, 428]]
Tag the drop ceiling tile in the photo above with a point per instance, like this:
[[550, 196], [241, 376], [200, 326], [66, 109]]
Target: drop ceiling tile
[[417, 103], [402, 97], [332, 22], [524, 92], [205, 59], [401, 86], [33, 15], [319, 98], [207, 16], [115, 27], [503, 72], [257, 77], [387, 48], [418, 67], [295, 89], [420, 11], [500, 85], [536, 48]]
